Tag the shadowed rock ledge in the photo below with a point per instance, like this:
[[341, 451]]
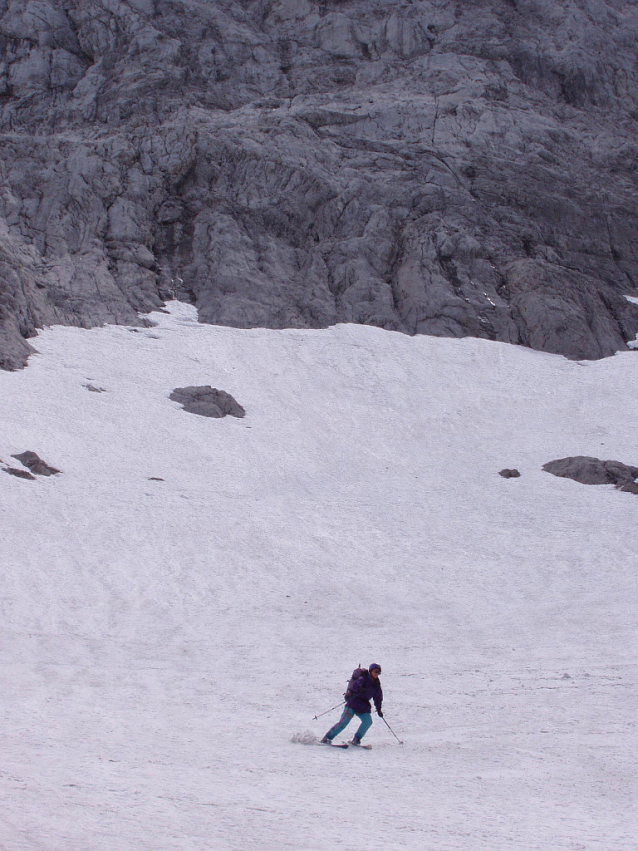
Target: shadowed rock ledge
[[433, 167]]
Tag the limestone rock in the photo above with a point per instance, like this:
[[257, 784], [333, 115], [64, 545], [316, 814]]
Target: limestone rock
[[20, 474], [35, 464], [442, 167], [592, 471], [207, 402]]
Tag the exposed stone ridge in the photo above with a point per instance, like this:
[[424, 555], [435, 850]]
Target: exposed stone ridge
[[593, 471], [33, 462], [18, 473], [436, 167], [207, 401]]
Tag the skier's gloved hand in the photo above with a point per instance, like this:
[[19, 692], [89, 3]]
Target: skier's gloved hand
[[379, 713]]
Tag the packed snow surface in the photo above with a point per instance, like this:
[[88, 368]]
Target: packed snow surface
[[188, 593]]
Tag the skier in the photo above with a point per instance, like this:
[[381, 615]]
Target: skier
[[364, 689]]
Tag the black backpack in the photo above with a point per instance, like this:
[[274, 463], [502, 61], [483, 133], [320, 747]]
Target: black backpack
[[358, 672]]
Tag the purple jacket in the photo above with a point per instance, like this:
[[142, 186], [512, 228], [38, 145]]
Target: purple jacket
[[365, 689]]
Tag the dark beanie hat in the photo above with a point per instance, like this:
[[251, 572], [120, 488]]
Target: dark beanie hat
[[375, 665]]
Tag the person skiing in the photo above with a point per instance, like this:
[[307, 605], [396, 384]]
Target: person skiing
[[360, 692]]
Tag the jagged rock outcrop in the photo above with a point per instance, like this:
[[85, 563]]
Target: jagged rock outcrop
[[207, 401], [593, 471], [35, 464], [428, 166]]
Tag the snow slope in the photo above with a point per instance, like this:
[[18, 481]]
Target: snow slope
[[162, 641]]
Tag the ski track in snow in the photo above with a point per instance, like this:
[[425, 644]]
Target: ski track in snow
[[161, 642]]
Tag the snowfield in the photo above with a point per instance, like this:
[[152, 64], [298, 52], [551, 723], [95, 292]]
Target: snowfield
[[163, 641]]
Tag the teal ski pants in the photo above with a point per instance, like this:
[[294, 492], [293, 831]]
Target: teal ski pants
[[346, 718]]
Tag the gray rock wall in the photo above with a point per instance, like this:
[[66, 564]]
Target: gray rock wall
[[446, 168]]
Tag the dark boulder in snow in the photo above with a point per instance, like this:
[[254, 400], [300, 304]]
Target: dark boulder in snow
[[509, 474], [207, 401], [592, 471], [35, 464], [21, 474]]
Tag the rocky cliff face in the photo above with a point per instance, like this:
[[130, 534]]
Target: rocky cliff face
[[431, 166]]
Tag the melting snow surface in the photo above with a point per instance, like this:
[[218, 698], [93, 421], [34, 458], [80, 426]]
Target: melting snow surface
[[164, 642]]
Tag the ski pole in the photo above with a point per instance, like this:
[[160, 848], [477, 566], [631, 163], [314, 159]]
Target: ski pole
[[392, 731], [329, 710]]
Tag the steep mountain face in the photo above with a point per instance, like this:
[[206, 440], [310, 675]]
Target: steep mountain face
[[436, 167]]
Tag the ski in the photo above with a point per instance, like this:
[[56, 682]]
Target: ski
[[341, 745], [365, 747]]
